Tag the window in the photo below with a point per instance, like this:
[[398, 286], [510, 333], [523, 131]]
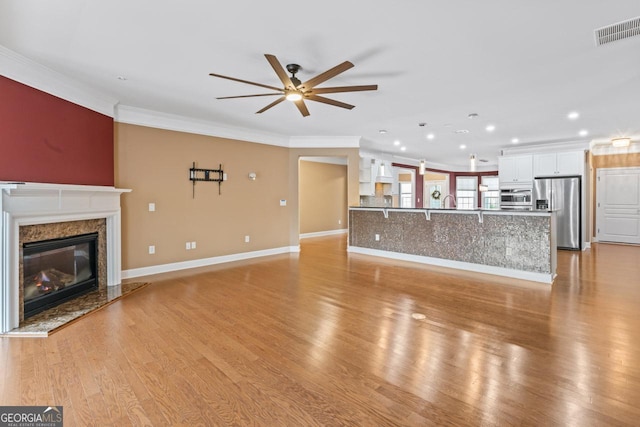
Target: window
[[466, 192], [406, 195], [491, 197]]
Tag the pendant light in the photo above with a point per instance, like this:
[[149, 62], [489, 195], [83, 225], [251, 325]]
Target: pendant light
[[422, 167], [472, 162]]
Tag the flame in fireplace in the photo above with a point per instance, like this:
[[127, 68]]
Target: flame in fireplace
[[42, 282]]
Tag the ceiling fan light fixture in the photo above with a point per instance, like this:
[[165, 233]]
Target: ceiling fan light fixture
[[621, 142], [294, 96]]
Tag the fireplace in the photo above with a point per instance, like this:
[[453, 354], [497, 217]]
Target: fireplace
[[34, 212], [57, 270]]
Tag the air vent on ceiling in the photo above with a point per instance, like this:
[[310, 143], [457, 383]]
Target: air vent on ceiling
[[619, 31]]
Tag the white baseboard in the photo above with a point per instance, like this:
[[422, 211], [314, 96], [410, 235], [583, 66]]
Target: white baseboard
[[184, 265], [459, 265], [323, 233]]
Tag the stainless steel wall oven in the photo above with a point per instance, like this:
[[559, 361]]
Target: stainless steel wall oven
[[515, 198]]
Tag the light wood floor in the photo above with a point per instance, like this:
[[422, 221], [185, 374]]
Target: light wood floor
[[327, 338]]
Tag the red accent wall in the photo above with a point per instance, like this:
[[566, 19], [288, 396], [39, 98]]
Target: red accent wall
[[44, 138]]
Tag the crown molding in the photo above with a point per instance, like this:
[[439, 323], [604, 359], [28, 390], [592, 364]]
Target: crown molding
[[142, 117], [156, 119], [324, 142], [579, 145], [23, 70], [409, 161]]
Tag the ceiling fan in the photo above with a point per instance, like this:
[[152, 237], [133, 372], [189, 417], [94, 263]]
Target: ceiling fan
[[296, 91]]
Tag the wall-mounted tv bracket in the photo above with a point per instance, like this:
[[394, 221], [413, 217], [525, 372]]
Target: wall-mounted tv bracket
[[214, 175]]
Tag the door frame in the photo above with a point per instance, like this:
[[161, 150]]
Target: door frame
[[598, 195]]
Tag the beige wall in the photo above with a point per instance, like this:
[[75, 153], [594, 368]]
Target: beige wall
[[353, 170], [323, 197], [155, 164]]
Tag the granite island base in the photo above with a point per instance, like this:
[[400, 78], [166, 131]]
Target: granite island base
[[517, 244]]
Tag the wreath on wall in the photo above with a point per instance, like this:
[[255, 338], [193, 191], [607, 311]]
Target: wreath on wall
[[436, 195]]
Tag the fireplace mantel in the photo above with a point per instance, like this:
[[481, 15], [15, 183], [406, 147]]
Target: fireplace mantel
[[37, 203]]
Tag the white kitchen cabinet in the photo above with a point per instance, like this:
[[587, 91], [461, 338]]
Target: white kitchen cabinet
[[368, 171], [568, 163], [515, 171]]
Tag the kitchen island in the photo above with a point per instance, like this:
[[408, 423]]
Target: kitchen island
[[517, 244]]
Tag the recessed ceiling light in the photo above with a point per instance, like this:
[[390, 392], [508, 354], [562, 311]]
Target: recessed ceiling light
[[573, 115], [430, 136], [461, 131], [403, 148], [583, 132], [382, 131], [515, 140], [462, 146], [396, 142], [473, 115], [490, 128]]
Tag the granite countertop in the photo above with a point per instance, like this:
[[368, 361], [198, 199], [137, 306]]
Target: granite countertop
[[457, 210]]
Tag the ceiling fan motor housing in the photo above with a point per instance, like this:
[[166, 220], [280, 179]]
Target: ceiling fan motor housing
[[293, 69]]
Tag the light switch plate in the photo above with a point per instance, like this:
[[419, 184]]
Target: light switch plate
[[152, 207]]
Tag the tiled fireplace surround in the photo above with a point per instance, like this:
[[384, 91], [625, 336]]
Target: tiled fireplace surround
[[32, 212]]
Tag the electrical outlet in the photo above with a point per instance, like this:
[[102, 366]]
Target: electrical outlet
[[152, 250], [188, 246], [508, 251], [339, 222], [377, 237], [193, 245], [247, 239]]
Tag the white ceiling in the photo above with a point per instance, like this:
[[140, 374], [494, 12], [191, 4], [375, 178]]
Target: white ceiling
[[522, 66]]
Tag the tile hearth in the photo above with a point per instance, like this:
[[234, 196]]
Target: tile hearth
[[42, 324]]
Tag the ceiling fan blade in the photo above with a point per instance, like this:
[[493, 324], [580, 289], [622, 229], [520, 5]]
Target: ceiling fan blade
[[282, 74], [274, 103], [246, 81], [329, 101], [344, 89], [249, 96], [302, 107], [323, 77]]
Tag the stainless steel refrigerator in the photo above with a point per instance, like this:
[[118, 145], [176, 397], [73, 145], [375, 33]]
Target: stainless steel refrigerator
[[561, 195]]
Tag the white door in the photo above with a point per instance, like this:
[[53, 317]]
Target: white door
[[618, 205]]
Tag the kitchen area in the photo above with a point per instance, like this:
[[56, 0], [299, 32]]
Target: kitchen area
[[549, 181], [542, 204]]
